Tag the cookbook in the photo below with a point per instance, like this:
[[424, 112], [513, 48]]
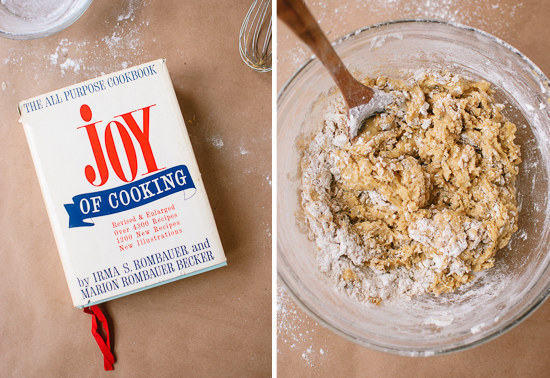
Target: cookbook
[[121, 184]]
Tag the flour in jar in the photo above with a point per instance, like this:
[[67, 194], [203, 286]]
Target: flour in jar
[[422, 199]]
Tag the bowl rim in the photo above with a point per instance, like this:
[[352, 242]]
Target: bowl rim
[[341, 39], [535, 302], [72, 18]]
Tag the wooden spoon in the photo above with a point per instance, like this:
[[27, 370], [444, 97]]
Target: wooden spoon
[[362, 101]]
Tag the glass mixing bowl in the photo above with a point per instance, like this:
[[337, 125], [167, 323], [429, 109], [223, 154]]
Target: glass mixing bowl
[[31, 19], [500, 297]]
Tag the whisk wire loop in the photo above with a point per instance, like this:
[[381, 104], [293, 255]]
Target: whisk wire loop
[[255, 36]]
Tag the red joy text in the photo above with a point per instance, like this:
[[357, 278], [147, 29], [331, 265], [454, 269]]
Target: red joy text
[[124, 125]]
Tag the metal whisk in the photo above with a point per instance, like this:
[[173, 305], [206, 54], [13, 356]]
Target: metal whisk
[[255, 36]]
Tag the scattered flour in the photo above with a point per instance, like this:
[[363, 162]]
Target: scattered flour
[[217, 142], [70, 64], [477, 13], [489, 16], [296, 332], [78, 56], [129, 14], [53, 58]]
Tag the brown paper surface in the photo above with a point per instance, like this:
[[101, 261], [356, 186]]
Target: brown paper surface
[[209, 325], [305, 348]]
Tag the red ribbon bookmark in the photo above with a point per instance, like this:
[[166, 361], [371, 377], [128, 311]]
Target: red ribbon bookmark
[[104, 345]]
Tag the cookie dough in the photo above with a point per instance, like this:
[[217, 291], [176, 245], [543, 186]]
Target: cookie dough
[[422, 199]]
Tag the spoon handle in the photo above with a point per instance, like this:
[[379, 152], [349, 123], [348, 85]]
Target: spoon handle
[[296, 15]]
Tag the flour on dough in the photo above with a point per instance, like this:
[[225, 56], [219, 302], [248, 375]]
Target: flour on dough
[[422, 199]]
